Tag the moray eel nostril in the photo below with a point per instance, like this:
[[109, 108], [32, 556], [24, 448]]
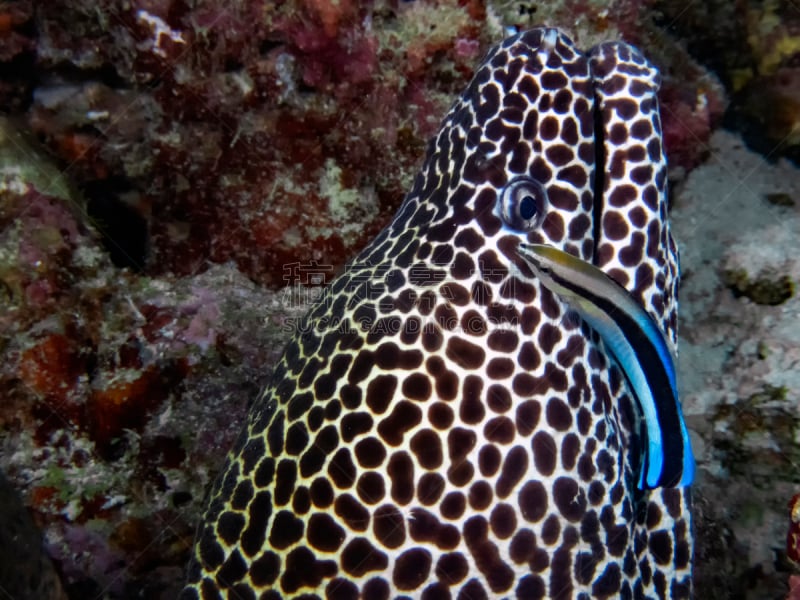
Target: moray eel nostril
[[442, 425]]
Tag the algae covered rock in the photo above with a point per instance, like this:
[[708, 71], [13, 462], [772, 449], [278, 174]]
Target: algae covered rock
[[764, 264]]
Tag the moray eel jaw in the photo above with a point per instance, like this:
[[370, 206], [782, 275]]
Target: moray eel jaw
[[640, 350]]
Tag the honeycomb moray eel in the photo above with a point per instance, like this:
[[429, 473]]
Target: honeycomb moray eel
[[444, 425]]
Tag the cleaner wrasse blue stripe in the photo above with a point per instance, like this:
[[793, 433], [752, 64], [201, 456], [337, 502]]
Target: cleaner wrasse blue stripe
[[640, 350]]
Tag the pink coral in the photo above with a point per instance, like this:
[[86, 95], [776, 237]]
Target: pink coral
[[467, 48], [794, 588], [689, 113]]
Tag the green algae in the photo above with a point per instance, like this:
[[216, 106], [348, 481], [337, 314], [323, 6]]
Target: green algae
[[21, 160], [780, 199], [768, 288], [756, 437]]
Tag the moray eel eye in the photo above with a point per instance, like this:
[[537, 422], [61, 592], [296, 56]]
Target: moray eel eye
[[523, 203]]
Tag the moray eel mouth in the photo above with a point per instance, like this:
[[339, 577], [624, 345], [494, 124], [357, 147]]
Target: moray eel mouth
[[440, 425]]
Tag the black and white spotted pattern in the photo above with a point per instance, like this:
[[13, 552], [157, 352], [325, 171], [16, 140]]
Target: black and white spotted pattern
[[442, 426]]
